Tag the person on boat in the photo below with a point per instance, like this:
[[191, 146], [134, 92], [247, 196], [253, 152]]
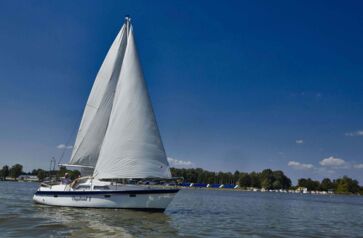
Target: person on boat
[[66, 179], [75, 182]]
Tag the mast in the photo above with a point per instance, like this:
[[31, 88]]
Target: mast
[[127, 24]]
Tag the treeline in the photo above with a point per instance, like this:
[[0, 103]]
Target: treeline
[[340, 185], [43, 174], [267, 179], [16, 170], [13, 172]]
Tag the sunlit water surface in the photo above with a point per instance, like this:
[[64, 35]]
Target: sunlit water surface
[[193, 213]]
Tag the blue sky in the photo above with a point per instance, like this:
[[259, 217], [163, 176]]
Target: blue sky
[[238, 85]]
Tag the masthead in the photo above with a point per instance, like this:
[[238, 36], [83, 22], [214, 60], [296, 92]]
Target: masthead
[[127, 18]]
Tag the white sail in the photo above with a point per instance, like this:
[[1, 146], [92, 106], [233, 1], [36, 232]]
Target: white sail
[[98, 109], [132, 147]]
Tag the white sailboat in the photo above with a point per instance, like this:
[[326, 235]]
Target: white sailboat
[[118, 139]]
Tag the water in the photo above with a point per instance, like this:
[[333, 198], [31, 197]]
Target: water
[[193, 213]]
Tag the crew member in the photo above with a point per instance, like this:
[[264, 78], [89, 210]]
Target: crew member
[[66, 179]]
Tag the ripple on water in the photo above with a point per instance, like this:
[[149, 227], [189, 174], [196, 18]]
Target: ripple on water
[[193, 213]]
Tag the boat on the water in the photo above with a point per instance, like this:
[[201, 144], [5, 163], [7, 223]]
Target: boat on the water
[[118, 141]]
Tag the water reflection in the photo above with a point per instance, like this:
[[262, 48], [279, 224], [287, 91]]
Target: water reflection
[[74, 222]]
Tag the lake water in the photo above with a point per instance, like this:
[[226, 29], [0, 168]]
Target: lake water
[[193, 213]]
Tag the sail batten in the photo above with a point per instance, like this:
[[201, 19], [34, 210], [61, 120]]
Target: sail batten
[[132, 146]]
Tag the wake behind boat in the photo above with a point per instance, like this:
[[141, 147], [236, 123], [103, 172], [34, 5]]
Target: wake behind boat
[[118, 140]]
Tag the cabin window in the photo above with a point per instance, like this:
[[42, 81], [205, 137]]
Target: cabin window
[[101, 187], [84, 187]]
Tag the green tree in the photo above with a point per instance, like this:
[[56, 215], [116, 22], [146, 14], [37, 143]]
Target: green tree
[[16, 171], [309, 184], [347, 185], [41, 174], [244, 180], [281, 181], [255, 180], [277, 184], [326, 184], [236, 177], [4, 172], [266, 178]]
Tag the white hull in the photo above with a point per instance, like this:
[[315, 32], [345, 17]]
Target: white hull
[[127, 197]]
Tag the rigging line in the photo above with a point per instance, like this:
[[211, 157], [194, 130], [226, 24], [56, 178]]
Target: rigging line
[[69, 139]]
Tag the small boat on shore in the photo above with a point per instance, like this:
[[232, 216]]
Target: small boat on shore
[[118, 141]]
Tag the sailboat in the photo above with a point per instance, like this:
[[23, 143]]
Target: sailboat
[[118, 141]]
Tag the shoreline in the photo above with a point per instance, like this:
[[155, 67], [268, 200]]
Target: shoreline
[[255, 190], [267, 191]]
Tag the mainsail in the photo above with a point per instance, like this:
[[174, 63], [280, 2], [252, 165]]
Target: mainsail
[[98, 109], [132, 146]]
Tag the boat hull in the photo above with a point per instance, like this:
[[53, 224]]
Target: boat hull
[[152, 200]]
